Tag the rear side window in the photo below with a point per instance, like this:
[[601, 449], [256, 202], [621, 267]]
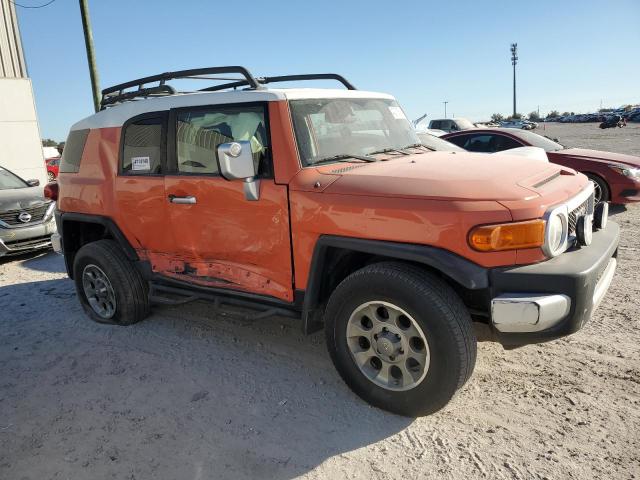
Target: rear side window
[[143, 146], [72, 153]]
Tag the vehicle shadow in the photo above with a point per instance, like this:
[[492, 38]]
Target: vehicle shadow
[[617, 209], [42, 261], [189, 392]]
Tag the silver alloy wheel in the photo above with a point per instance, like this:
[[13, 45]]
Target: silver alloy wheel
[[99, 292], [597, 191], [388, 345]]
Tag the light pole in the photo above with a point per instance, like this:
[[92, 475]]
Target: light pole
[[514, 61], [445, 108], [91, 57]]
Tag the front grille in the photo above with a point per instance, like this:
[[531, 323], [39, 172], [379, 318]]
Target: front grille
[[575, 214], [37, 213]]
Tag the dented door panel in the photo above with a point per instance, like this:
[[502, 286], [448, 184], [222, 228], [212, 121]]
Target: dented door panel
[[225, 241]]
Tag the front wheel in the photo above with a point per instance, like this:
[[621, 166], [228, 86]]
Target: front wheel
[[400, 338], [601, 192]]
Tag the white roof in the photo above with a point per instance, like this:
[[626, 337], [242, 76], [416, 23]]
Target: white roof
[[117, 115]]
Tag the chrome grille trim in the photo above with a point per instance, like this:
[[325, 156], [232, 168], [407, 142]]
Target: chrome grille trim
[[9, 218]]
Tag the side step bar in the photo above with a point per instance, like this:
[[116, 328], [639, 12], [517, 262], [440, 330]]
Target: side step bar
[[170, 295]]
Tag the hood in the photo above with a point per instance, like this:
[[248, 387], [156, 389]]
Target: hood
[[605, 157], [449, 176], [21, 198]]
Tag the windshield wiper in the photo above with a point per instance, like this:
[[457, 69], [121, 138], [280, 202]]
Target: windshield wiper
[[344, 157], [387, 150], [416, 145]]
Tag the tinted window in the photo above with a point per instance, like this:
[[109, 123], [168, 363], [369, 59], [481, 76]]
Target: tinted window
[[200, 132], [438, 144], [484, 142], [72, 153], [435, 124], [536, 140], [142, 152]]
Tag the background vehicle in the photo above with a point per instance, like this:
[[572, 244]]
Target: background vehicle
[[323, 205], [451, 124], [53, 168], [26, 217], [438, 144], [616, 177], [613, 122], [517, 124]]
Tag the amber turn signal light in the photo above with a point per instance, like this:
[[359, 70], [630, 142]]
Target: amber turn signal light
[[507, 236]]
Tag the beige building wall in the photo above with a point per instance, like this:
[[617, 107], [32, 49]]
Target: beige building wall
[[20, 144]]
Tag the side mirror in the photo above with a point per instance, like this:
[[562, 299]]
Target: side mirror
[[236, 163], [34, 182]]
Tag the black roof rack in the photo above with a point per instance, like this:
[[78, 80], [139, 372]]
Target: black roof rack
[[285, 78], [117, 93]]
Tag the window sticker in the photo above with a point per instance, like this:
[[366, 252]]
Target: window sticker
[[397, 113], [140, 163]]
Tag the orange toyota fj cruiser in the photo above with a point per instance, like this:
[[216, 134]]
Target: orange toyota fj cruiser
[[323, 205]]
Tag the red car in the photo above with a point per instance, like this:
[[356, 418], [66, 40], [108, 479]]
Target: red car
[[53, 168], [616, 177]]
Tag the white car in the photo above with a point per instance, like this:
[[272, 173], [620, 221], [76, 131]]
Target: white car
[[451, 124]]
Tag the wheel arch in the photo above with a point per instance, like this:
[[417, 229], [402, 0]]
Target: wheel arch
[[78, 229], [334, 258]]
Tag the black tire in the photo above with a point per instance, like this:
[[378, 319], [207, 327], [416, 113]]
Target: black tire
[[600, 183], [440, 314], [131, 291]]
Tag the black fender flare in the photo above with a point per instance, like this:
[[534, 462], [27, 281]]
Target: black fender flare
[[110, 226], [462, 271]]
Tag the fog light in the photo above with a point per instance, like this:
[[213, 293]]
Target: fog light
[[601, 215], [584, 229]]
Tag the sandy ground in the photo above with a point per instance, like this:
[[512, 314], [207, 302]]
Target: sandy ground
[[190, 394]]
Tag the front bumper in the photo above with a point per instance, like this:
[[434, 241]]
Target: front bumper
[[14, 241], [541, 302]]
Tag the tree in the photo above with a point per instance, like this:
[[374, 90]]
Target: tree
[[47, 142], [497, 117], [566, 114], [534, 116], [554, 114], [517, 116]]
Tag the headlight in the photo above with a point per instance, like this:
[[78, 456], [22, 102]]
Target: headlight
[[626, 171], [557, 232]]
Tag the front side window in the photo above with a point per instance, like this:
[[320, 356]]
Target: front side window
[[142, 152], [200, 132], [334, 127]]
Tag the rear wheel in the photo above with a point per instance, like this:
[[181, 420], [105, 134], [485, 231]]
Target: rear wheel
[[400, 338], [110, 289], [601, 190]]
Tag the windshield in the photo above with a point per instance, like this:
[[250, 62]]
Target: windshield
[[438, 144], [9, 181], [341, 127], [539, 141]]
